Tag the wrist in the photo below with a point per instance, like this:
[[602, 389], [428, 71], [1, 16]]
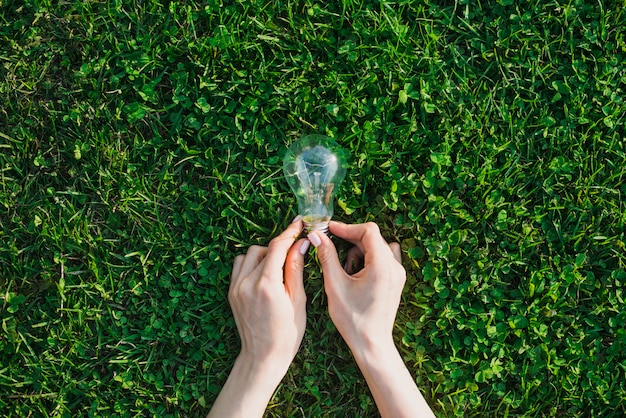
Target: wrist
[[372, 351], [248, 389], [267, 372], [390, 382]]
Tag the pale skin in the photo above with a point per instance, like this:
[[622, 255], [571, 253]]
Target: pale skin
[[269, 305]]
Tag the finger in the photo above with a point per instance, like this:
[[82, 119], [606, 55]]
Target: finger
[[253, 258], [365, 236], [279, 246], [397, 251], [354, 260], [294, 268], [327, 255], [234, 277], [236, 267]]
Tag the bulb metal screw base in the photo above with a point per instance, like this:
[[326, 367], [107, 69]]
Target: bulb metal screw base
[[320, 225]]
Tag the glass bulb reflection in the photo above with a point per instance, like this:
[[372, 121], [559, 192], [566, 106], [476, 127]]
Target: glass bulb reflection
[[314, 167]]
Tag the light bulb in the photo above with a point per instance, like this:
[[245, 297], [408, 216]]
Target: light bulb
[[314, 167]]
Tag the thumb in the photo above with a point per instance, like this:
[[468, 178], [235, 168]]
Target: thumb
[[294, 267], [327, 254]]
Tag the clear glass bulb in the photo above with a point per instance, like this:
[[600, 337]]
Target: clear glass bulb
[[314, 167]]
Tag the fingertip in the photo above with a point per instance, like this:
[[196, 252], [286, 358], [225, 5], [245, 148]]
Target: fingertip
[[295, 251], [326, 253], [334, 226], [315, 238], [303, 247]]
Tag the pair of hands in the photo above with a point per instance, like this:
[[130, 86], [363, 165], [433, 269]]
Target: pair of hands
[[269, 303]]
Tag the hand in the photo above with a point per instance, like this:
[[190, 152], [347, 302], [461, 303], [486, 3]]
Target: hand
[[362, 304], [269, 305], [268, 301]]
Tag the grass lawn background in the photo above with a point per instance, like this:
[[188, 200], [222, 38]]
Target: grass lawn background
[[140, 152]]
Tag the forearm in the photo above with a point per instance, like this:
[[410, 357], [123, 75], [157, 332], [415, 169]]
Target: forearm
[[247, 391], [390, 382]]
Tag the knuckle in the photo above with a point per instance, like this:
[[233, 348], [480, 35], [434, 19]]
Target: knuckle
[[264, 290], [297, 264], [238, 260], [255, 249], [323, 255], [244, 293], [273, 244], [277, 243], [231, 295], [372, 228]]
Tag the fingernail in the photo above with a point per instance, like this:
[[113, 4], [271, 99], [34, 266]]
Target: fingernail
[[304, 246], [296, 219], [315, 240]]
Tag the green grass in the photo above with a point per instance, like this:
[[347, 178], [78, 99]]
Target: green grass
[[140, 151]]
